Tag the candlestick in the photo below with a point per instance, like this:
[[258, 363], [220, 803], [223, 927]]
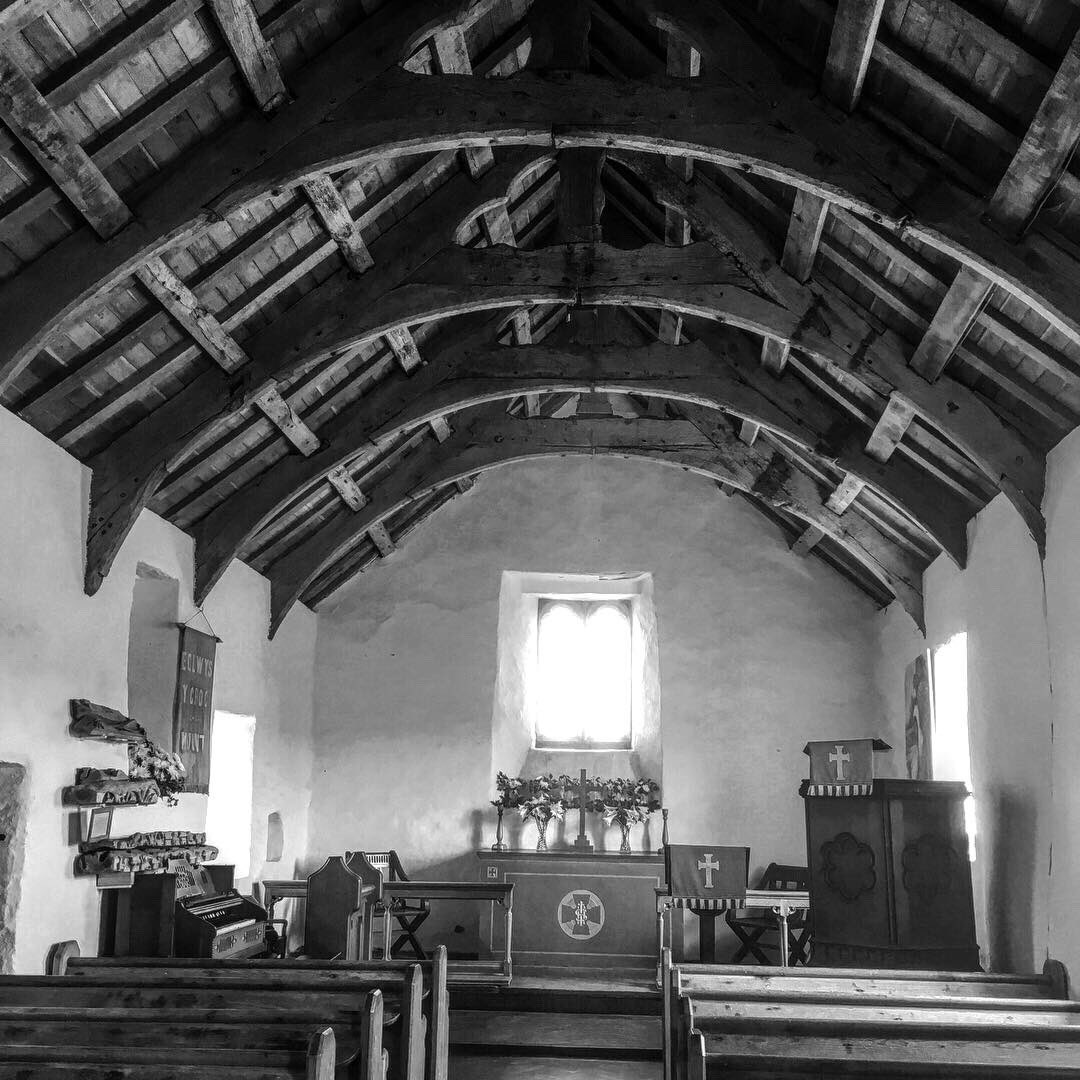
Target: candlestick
[[664, 838], [499, 845], [582, 843]]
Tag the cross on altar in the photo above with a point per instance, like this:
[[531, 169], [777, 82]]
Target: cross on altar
[[839, 758], [708, 864], [582, 842]]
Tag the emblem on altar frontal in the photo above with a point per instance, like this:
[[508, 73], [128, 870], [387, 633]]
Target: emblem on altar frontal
[[581, 914]]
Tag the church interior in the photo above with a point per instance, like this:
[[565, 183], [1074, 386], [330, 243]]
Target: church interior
[[490, 488]]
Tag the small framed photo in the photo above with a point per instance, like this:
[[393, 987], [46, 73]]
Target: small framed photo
[[99, 823]]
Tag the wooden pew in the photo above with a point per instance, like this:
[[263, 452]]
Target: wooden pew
[[284, 986], [741, 1020], [74, 1047]]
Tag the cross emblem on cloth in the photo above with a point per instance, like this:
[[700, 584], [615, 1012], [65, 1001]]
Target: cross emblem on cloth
[[708, 864], [840, 757]]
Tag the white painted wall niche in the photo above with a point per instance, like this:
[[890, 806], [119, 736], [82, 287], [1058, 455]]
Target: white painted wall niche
[[513, 721]]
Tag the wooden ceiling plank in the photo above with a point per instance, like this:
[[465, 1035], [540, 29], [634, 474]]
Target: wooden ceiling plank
[[966, 298], [343, 483], [255, 58], [486, 443], [854, 32], [808, 217], [51, 144], [890, 428], [405, 348], [1045, 149], [338, 222]]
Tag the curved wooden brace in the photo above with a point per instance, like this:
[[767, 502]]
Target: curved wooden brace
[[843, 160], [691, 280], [465, 378], [484, 443]]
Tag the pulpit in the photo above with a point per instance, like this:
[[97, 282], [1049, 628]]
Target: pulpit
[[890, 880]]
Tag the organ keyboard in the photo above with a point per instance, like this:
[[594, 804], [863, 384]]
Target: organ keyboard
[[227, 925]]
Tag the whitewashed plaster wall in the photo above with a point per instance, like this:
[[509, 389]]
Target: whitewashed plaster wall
[[1062, 508], [57, 643], [759, 651], [998, 602]]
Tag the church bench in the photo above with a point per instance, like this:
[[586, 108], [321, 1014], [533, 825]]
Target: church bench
[[358, 1038], [743, 1056], [53, 1055], [264, 982], [709, 979], [710, 1017]]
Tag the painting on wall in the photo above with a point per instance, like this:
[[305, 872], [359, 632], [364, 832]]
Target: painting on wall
[[917, 724]]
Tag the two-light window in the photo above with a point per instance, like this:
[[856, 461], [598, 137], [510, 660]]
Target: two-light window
[[584, 654]]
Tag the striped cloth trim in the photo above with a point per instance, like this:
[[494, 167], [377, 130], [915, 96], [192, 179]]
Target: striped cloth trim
[[840, 789], [702, 903]]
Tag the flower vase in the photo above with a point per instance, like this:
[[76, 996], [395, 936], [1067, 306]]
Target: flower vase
[[624, 847], [541, 833]]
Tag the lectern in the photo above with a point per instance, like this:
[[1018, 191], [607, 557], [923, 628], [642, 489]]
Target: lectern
[[890, 879]]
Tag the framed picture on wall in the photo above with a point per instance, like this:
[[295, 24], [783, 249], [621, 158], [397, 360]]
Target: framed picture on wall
[[97, 823]]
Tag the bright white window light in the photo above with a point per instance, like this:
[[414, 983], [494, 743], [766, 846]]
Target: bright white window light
[[228, 811], [950, 744], [584, 674]]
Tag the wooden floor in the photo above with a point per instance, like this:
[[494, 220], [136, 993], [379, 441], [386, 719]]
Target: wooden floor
[[551, 1024]]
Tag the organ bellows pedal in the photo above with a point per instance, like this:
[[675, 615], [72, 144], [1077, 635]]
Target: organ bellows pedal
[[219, 927]]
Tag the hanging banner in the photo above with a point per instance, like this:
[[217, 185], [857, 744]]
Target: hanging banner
[[193, 712]]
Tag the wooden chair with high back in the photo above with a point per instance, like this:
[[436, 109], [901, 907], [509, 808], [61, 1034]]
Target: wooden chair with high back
[[335, 912], [375, 868], [754, 931]]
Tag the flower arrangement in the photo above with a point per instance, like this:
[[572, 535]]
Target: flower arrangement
[[509, 789], [627, 802], [147, 760], [541, 799]]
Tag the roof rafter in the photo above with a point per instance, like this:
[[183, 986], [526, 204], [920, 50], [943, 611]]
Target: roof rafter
[[484, 443]]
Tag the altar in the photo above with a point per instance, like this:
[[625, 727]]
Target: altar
[[577, 909]]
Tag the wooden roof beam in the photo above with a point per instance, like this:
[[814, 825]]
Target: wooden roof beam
[[890, 428], [381, 539], [724, 374], [255, 58], [845, 494], [341, 480], [966, 298], [337, 219], [204, 328], [404, 347], [946, 405], [807, 540], [854, 32], [51, 144], [1045, 149], [486, 442], [693, 279], [452, 58]]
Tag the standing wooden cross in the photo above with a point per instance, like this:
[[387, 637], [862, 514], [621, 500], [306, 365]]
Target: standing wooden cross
[[582, 843]]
